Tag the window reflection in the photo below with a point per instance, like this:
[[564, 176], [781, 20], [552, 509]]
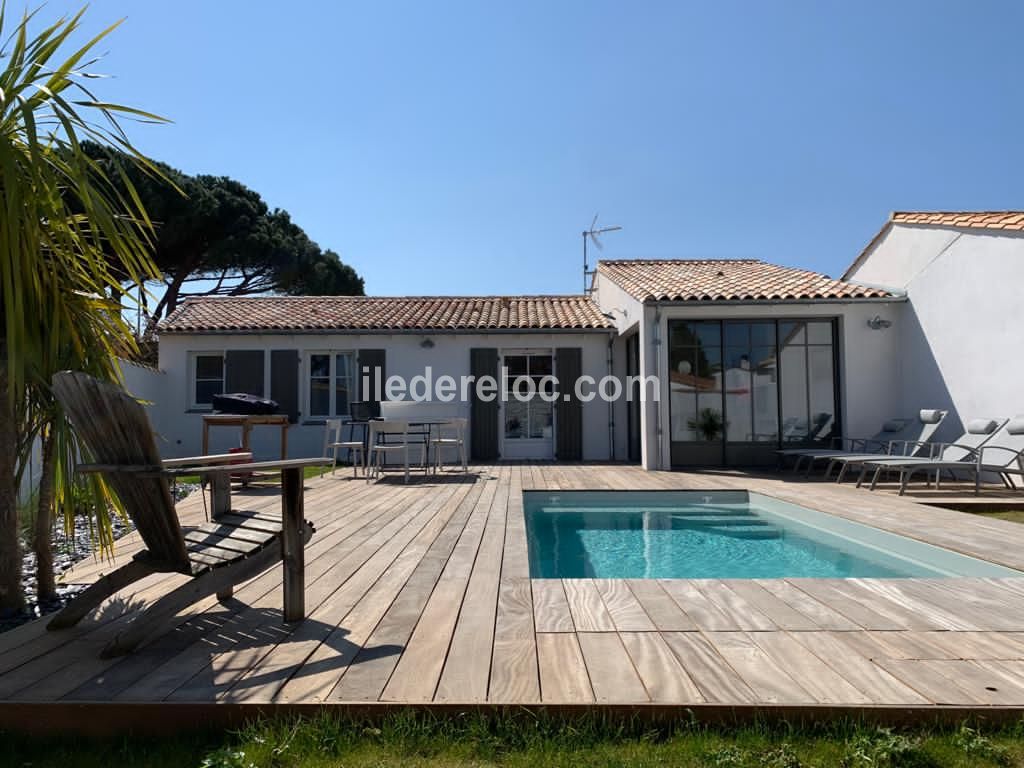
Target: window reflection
[[695, 380], [752, 381]]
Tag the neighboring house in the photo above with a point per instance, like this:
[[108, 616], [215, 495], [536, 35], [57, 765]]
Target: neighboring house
[[309, 354], [746, 356], [959, 335]]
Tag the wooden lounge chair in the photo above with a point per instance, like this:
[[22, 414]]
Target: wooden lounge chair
[[235, 547]]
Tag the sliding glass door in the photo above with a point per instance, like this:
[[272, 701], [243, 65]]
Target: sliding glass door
[[741, 388]]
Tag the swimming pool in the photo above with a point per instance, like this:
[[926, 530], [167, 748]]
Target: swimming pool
[[718, 534]]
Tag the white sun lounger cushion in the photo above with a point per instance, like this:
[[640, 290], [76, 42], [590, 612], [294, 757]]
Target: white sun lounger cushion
[[981, 426], [1015, 426], [930, 416]]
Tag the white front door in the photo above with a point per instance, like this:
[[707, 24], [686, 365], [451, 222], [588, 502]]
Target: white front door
[[528, 425]]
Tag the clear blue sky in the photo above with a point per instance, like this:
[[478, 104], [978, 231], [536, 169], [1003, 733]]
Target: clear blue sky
[[462, 147]]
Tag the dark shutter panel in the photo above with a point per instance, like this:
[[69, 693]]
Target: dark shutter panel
[[243, 371], [284, 381], [568, 413], [371, 370], [483, 416]]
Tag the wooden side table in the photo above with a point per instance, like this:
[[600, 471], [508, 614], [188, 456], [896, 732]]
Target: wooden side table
[[246, 422]]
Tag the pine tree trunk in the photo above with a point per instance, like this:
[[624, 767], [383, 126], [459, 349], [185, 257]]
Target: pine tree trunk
[[46, 586], [11, 595]]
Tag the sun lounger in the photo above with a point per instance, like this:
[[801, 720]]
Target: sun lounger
[[1001, 455], [964, 449], [897, 436]]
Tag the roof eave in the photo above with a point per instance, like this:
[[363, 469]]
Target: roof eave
[[774, 302], [376, 331]]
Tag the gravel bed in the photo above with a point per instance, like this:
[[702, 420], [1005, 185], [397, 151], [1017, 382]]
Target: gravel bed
[[66, 552]]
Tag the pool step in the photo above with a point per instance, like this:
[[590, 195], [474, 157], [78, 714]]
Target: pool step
[[708, 520], [754, 534]]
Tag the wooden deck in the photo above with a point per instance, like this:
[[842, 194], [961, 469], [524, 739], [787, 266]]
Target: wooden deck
[[421, 594]]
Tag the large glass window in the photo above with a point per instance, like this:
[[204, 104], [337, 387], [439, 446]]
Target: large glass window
[[330, 383], [751, 402], [751, 382], [695, 381], [808, 391]]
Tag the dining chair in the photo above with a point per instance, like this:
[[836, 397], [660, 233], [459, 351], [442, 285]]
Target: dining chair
[[333, 443], [388, 436], [450, 434]]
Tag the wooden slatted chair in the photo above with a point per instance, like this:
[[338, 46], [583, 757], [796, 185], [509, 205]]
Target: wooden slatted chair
[[235, 547]]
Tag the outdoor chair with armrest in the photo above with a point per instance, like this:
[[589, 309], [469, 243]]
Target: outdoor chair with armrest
[[1002, 438], [979, 431], [233, 548]]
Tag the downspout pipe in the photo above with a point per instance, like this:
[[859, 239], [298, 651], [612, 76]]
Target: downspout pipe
[[611, 403], [656, 343]]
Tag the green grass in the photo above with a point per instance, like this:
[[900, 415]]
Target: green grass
[[526, 740]]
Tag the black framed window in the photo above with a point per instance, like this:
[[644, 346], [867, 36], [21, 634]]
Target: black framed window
[[750, 383]]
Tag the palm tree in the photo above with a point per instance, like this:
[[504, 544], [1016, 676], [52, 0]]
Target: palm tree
[[62, 218]]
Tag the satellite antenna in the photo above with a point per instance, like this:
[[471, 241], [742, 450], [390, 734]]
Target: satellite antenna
[[591, 234]]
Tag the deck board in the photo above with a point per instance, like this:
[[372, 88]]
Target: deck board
[[422, 593]]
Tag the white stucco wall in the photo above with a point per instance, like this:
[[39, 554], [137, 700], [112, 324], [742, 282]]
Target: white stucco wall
[[959, 339], [627, 314], [181, 430]]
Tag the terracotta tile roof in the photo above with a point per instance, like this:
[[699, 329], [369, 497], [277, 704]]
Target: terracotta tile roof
[[368, 313], [1011, 220], [727, 280]]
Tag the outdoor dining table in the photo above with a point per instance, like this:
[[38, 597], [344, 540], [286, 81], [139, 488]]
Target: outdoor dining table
[[429, 424]]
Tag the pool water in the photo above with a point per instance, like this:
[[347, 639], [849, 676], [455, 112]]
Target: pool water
[[718, 534]]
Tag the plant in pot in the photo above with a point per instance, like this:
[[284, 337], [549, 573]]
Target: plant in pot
[[709, 424]]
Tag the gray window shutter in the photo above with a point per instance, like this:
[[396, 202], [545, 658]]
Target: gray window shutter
[[371, 367], [483, 417], [243, 371], [284, 381], [568, 413]]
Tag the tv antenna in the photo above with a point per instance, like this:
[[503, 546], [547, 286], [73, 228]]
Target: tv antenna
[[591, 234]]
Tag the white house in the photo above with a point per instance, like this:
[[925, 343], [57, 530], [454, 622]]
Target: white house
[[731, 358], [316, 355]]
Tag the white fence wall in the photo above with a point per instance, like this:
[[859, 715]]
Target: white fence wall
[[145, 383]]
